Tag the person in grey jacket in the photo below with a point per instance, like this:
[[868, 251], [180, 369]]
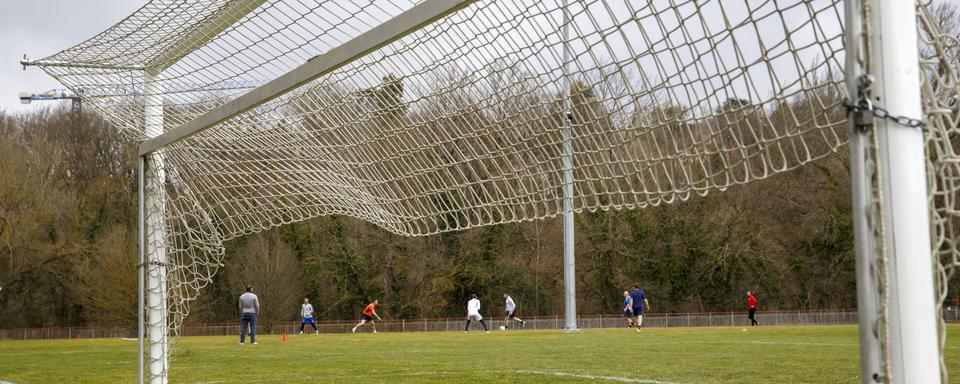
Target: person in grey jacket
[[249, 308]]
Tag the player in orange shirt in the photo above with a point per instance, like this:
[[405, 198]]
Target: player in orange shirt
[[368, 314]]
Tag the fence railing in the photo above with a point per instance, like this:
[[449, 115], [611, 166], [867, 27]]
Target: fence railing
[[653, 320], [68, 333]]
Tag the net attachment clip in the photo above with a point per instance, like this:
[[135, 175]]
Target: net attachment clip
[[864, 112], [157, 263]]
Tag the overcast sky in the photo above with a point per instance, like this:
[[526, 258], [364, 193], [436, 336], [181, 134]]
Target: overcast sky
[[41, 28]]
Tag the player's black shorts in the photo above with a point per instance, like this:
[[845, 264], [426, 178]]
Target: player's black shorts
[[512, 314], [366, 317]]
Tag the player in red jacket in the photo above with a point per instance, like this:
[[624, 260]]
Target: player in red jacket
[[752, 304]]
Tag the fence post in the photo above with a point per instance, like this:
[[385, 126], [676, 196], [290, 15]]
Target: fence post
[[715, 319]]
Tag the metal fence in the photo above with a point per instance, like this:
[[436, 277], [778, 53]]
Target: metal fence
[[68, 333], [653, 320]]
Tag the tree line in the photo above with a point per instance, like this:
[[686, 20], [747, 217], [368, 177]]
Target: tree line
[[68, 246]]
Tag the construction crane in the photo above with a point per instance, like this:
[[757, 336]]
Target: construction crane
[[54, 94], [76, 107], [175, 87]]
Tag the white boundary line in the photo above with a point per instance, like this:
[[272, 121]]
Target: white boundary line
[[811, 344], [620, 379], [803, 343]]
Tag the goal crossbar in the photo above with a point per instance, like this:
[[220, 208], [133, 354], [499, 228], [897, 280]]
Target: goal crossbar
[[226, 16], [377, 37]]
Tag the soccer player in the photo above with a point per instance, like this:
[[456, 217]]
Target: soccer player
[[511, 310], [368, 314], [752, 305], [628, 308], [639, 304], [306, 312], [249, 308], [473, 313]]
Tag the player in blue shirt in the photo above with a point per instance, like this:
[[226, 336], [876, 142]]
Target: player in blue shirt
[[639, 304], [306, 312], [628, 308]]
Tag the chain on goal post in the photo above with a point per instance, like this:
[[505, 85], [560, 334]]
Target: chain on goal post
[[428, 116]]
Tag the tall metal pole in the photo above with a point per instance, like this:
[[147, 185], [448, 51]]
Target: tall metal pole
[[155, 233], [913, 345], [569, 276], [141, 267], [862, 168]]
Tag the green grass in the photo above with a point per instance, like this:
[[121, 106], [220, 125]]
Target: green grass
[[684, 355]]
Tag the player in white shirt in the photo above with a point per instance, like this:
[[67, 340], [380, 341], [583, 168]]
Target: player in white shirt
[[473, 313], [306, 312], [511, 309]]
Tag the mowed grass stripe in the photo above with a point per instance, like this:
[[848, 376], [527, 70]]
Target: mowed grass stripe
[[657, 355]]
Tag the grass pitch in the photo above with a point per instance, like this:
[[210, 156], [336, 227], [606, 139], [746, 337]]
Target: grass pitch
[[658, 355]]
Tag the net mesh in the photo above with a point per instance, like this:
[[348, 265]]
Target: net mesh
[[460, 123], [940, 66]]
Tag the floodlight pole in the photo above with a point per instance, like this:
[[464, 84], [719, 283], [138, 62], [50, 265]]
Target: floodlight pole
[[569, 276], [154, 230], [913, 343]]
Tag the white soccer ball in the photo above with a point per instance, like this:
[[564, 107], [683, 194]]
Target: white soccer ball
[[503, 328]]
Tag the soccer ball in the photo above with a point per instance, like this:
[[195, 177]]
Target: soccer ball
[[503, 328]]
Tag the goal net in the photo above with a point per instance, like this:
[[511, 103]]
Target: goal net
[[459, 122], [940, 69]]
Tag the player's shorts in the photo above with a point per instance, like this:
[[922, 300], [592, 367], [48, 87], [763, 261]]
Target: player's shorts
[[512, 314], [476, 317], [307, 320], [366, 317], [638, 311], [627, 314]]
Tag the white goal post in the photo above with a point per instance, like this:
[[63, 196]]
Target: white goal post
[[906, 340], [428, 116]]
